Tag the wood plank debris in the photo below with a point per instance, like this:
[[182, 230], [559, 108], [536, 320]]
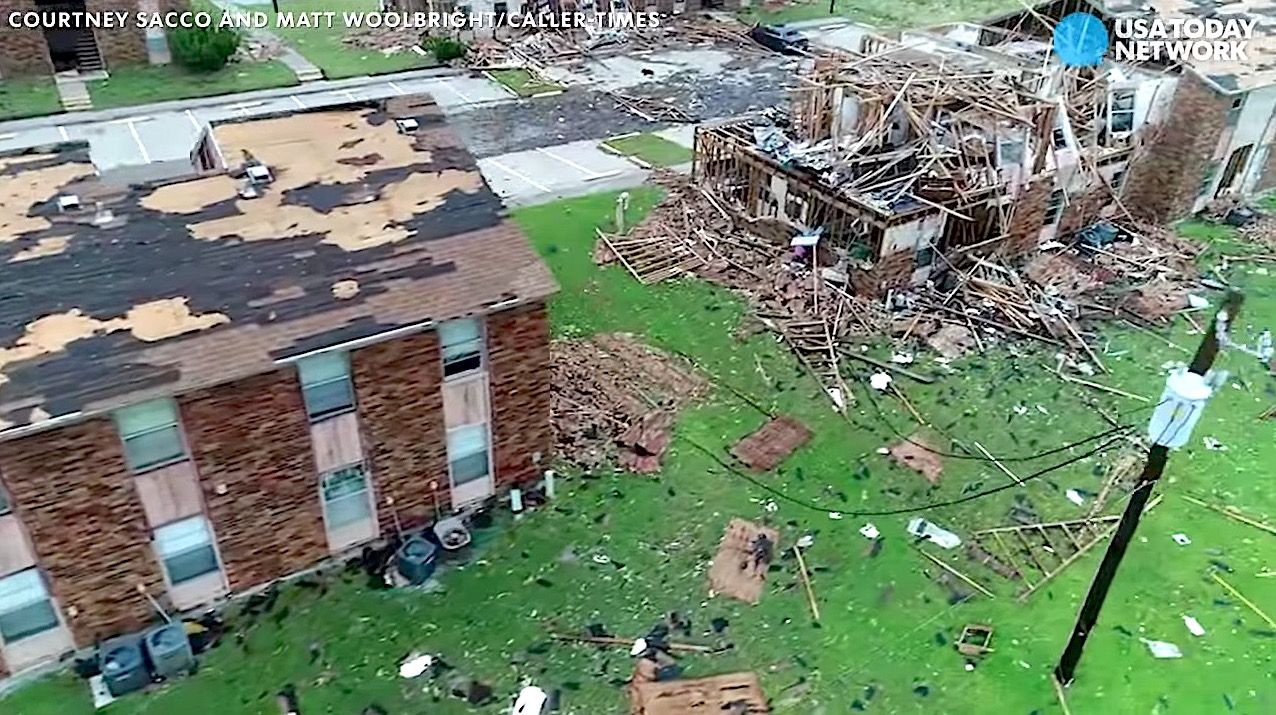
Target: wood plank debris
[[731, 694]]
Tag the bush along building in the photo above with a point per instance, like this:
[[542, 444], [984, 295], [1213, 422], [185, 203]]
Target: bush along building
[[305, 339], [971, 139], [26, 51]]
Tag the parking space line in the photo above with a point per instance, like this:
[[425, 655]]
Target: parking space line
[[146, 155], [518, 175], [66, 136], [584, 170], [297, 100], [396, 87], [457, 92]]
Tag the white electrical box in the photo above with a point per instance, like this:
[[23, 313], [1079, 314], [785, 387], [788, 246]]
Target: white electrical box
[[1179, 409]]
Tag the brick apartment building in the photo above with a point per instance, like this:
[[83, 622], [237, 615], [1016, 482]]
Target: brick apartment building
[[34, 51], [320, 329]]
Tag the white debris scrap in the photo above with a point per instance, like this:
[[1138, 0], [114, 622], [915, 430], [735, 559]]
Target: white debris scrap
[[639, 647], [880, 381], [1161, 649], [869, 531], [925, 529], [415, 665], [902, 358], [531, 701], [1214, 445], [805, 541], [1193, 626], [1181, 539], [1075, 497], [1197, 301]]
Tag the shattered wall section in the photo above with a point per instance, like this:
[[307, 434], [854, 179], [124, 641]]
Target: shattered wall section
[[1029, 211], [1167, 174]]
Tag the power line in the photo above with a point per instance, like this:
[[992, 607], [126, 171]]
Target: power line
[[902, 510]]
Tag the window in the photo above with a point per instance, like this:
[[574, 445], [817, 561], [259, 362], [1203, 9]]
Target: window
[[1121, 111], [461, 342], [345, 497], [1054, 208], [1118, 179], [25, 607], [150, 433], [5, 507], [1060, 138], [325, 384], [186, 548], [467, 453]]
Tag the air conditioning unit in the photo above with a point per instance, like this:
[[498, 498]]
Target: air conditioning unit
[[169, 650], [68, 202], [417, 559], [259, 174], [123, 666], [407, 125]]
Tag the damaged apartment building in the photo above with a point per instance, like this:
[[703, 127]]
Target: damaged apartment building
[[903, 154], [320, 331]]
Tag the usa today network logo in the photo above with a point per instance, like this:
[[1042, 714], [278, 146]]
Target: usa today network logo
[[1081, 39]]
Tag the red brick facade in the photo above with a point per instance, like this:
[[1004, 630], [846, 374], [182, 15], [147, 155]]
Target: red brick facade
[[401, 411], [518, 346], [1165, 175], [1027, 216], [76, 498], [26, 52], [250, 441], [22, 51]]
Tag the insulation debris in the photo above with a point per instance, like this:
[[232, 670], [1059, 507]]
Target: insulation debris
[[740, 567]]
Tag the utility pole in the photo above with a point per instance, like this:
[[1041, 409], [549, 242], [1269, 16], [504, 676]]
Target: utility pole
[[1172, 422]]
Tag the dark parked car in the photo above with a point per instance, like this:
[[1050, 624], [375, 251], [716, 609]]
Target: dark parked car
[[781, 39]]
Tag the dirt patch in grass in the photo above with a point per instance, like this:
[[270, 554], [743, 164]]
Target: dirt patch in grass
[[614, 399], [736, 693], [765, 449]]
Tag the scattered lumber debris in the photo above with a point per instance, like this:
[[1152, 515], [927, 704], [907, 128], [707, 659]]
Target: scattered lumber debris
[[740, 567], [915, 454], [622, 643], [763, 450], [614, 400], [732, 694], [975, 640], [386, 40], [653, 110]]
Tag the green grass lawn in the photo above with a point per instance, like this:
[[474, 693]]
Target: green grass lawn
[[323, 46], [22, 97], [651, 148], [901, 13], [522, 83], [143, 84], [885, 642]]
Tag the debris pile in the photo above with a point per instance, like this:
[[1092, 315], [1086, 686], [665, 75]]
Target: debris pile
[[615, 399], [387, 41], [259, 48]]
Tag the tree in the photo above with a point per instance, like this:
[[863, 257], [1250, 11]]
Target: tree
[[203, 49]]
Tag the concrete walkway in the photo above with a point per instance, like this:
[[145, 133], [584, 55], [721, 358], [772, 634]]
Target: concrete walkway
[[72, 91], [304, 70]]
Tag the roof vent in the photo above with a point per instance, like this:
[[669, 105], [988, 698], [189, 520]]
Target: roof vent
[[259, 174], [68, 202], [407, 125]]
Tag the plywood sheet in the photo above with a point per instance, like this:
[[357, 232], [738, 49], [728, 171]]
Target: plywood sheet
[[773, 443], [736, 571], [731, 694]]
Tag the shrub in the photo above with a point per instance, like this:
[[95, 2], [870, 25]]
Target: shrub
[[202, 49], [445, 48]]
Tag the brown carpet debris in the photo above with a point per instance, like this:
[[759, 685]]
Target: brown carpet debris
[[763, 450], [740, 567], [913, 455]]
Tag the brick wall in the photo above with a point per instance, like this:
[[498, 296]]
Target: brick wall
[[1083, 210], [72, 491], [401, 412], [1027, 214], [1165, 175], [250, 441], [22, 52], [518, 345], [119, 46]]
